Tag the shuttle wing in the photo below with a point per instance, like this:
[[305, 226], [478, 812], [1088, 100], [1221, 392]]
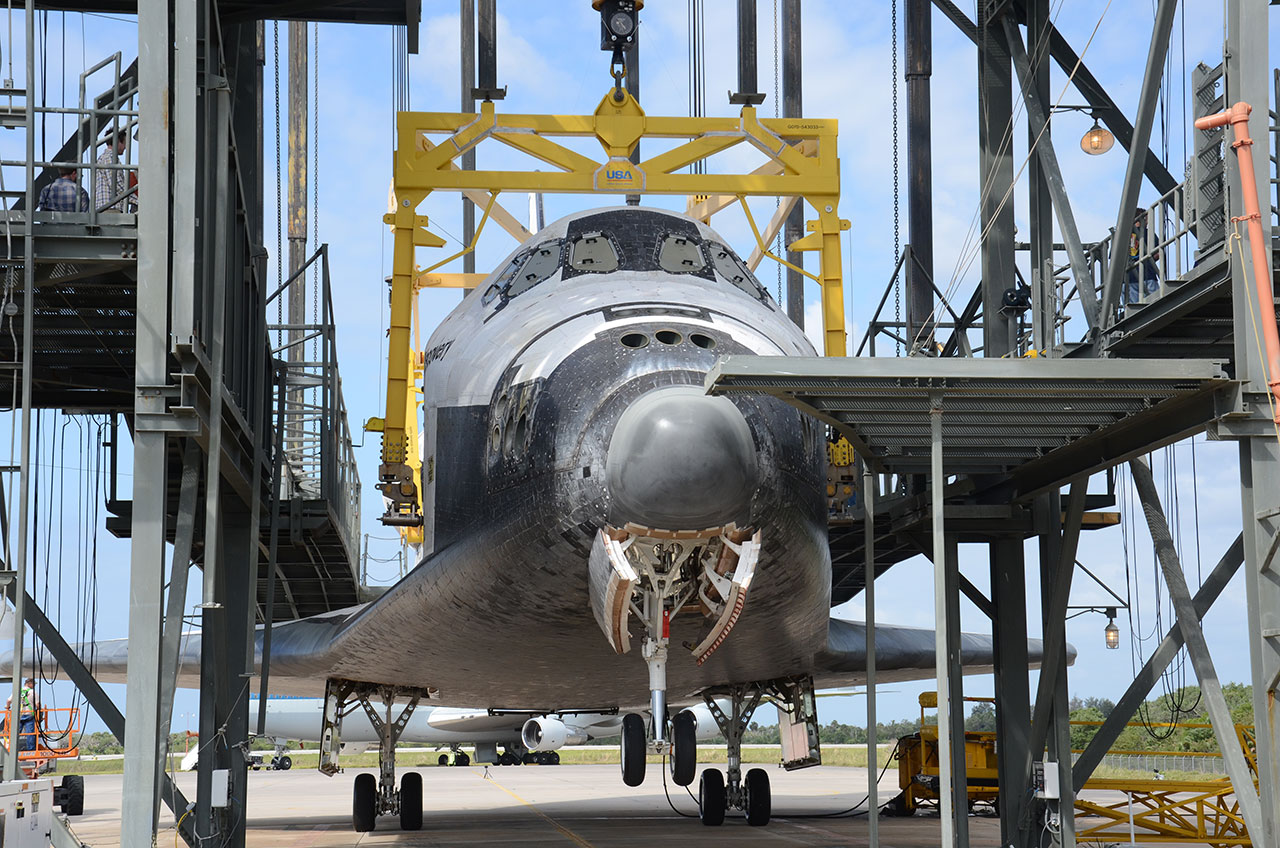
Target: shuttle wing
[[903, 653]]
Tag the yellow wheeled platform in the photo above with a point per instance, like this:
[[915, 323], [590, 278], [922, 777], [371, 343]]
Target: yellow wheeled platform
[[917, 757]]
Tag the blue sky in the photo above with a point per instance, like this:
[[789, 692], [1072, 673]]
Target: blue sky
[[549, 60]]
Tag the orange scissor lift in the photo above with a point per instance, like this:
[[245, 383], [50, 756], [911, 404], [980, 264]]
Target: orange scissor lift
[[56, 736]]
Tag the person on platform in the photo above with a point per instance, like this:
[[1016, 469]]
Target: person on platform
[[27, 712], [64, 194], [1141, 277], [111, 183]]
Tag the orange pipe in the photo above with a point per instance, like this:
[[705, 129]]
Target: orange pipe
[[1238, 117]]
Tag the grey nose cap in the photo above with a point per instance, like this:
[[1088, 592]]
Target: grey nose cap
[[680, 460]]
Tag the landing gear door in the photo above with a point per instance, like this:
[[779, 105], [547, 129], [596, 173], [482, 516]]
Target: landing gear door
[[798, 725]]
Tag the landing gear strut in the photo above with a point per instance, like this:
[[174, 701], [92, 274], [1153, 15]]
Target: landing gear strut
[[655, 574], [372, 797], [798, 724]]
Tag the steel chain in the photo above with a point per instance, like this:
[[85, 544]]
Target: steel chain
[[777, 200], [897, 220], [279, 204], [315, 183]]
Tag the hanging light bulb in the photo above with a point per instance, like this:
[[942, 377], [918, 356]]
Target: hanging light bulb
[[1097, 140], [1112, 632]]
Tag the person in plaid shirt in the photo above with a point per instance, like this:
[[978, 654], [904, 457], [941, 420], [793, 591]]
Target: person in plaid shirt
[[111, 183], [64, 194]]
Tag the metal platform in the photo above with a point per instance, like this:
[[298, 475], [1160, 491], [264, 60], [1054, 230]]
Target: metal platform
[[1018, 426]]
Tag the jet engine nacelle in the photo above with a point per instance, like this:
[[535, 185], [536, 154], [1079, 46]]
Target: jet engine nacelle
[[548, 734]]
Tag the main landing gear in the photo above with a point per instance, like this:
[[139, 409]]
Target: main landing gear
[[715, 794], [374, 796], [798, 725]]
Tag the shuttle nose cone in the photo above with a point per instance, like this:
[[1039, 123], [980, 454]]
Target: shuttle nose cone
[[680, 460]]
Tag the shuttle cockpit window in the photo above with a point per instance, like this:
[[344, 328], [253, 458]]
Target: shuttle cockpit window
[[733, 269], [679, 254], [524, 271], [542, 263], [593, 252]]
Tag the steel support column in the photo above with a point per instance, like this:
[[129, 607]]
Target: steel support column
[[487, 54], [1247, 63], [1050, 723], [1032, 74], [142, 752], [995, 172], [937, 483], [793, 107], [219, 613], [1148, 101], [1198, 650], [869, 596], [919, 68], [19, 562], [747, 87], [1012, 688], [179, 571], [467, 45], [299, 110], [225, 680], [954, 697]]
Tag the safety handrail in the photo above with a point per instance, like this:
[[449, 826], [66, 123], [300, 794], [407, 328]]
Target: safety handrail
[[319, 455]]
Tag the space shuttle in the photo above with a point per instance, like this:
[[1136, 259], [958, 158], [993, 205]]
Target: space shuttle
[[599, 533]]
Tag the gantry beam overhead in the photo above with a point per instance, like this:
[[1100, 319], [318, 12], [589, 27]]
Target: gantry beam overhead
[[385, 12]]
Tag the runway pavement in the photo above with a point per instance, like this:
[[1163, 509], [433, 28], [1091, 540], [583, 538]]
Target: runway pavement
[[586, 806]]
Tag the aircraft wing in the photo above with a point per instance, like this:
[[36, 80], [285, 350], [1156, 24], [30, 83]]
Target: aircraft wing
[[902, 653], [300, 658]]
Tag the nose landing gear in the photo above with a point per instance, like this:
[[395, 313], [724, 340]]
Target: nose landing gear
[[654, 574]]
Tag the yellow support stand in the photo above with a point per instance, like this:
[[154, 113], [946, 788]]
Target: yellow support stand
[[802, 162]]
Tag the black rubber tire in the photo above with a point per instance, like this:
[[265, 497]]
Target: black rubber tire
[[553, 758], [411, 801], [443, 760], [759, 799], [684, 748], [711, 798], [462, 759], [285, 763], [506, 759], [364, 803], [73, 795], [529, 759], [634, 749]]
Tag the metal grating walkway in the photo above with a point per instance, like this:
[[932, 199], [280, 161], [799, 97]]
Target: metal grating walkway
[[1024, 425]]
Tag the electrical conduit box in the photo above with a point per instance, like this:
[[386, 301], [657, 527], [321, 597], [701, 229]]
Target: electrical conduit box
[[1044, 779], [220, 790], [26, 813]]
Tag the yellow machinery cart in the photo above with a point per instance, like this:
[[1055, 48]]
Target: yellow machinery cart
[[917, 757]]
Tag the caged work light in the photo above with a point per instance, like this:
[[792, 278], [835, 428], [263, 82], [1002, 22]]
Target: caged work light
[[1096, 141], [1112, 632]]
